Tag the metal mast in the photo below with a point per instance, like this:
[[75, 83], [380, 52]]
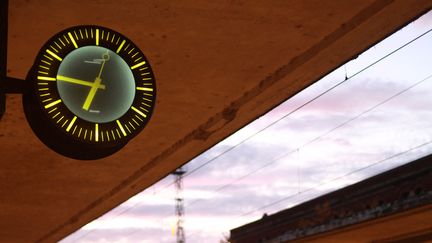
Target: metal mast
[[179, 208]]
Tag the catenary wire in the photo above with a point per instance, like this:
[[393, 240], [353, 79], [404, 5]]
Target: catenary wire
[[306, 103], [298, 108], [236, 180], [330, 181], [337, 178], [321, 184], [274, 160], [277, 121]]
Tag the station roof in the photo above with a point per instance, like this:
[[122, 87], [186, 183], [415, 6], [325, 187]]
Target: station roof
[[218, 65]]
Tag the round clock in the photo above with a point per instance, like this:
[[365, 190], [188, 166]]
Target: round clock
[[92, 91]]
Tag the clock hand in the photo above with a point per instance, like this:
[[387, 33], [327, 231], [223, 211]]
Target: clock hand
[[91, 94], [77, 81], [105, 57], [96, 84]]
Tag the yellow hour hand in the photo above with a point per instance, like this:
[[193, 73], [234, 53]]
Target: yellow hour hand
[[92, 93], [78, 81]]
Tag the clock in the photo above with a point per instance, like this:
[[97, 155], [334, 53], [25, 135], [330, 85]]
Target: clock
[[92, 91]]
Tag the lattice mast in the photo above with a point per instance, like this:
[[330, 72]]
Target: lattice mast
[[179, 208]]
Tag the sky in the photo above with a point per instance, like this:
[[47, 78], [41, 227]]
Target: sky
[[376, 119]]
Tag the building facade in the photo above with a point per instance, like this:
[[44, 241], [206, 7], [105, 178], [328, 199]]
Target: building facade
[[395, 206]]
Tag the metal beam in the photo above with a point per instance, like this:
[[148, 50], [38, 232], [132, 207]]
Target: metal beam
[[14, 85]]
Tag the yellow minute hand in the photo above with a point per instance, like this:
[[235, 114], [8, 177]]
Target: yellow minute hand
[[96, 84], [78, 81]]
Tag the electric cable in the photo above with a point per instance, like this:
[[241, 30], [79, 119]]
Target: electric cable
[[331, 180], [299, 107], [236, 180], [317, 138], [337, 178], [277, 121], [307, 103], [320, 184]]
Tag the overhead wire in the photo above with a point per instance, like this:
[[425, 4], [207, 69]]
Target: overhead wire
[[302, 106], [259, 209], [280, 119], [306, 103], [337, 178], [298, 108], [274, 160], [319, 185], [236, 180]]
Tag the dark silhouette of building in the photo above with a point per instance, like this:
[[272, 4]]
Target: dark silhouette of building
[[394, 206]]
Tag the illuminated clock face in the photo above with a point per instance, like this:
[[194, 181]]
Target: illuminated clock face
[[94, 85]]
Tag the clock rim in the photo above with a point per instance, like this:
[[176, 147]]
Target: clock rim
[[33, 78]]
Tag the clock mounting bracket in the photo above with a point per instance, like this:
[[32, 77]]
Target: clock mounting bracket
[[8, 85], [60, 101]]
